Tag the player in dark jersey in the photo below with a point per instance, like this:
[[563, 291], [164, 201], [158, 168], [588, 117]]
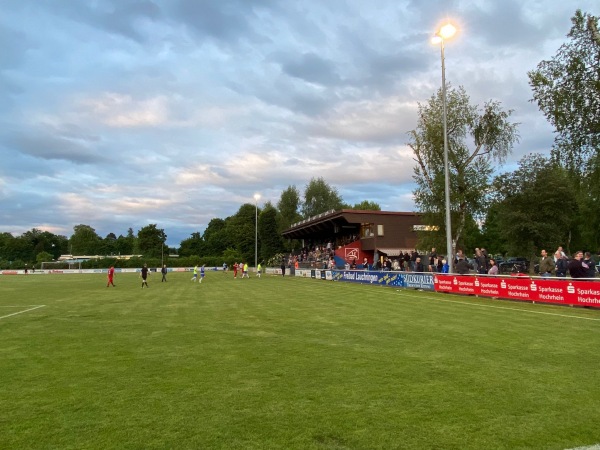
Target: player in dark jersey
[[144, 275]]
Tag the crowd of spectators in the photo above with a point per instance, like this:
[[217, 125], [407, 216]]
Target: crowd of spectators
[[581, 265], [321, 255]]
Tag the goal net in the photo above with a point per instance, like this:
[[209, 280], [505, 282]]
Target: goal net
[[61, 265]]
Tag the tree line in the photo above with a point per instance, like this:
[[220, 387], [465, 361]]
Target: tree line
[[223, 240]]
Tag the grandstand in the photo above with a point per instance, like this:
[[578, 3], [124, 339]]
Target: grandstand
[[356, 234]]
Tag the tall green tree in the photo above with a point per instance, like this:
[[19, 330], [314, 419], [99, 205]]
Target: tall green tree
[[567, 90], [216, 238], [125, 245], [367, 205], [270, 239], [240, 230], [320, 197], [194, 245], [84, 240], [288, 207], [45, 241], [15, 248], [109, 244], [151, 241], [534, 206], [492, 238], [58, 245], [43, 257], [476, 138], [589, 205]]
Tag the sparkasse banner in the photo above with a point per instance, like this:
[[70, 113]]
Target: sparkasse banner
[[564, 291], [552, 290]]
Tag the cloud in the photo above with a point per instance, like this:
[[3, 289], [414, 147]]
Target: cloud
[[15, 45], [124, 113], [118, 110], [311, 68], [39, 144], [122, 18]]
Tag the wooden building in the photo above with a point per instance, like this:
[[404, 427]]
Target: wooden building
[[356, 234]]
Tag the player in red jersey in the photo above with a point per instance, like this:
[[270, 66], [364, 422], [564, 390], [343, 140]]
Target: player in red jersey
[[235, 269], [111, 274]]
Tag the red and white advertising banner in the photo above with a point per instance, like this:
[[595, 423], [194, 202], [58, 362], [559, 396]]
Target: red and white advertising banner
[[547, 290]]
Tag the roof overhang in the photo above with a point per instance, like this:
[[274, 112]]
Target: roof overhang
[[325, 224]]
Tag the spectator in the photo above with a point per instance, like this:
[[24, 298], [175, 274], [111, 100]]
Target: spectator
[[577, 268], [462, 266], [419, 265], [440, 264], [432, 257], [459, 255], [562, 264], [481, 262], [365, 263], [493, 270], [413, 260], [485, 255], [406, 263], [547, 265], [445, 266], [589, 261]]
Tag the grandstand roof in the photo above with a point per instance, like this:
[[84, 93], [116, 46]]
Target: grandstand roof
[[389, 230]]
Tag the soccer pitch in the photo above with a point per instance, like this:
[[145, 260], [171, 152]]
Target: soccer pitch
[[288, 363]]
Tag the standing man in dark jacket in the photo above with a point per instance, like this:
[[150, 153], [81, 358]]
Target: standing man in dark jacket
[[589, 261], [577, 268], [462, 266], [432, 260], [480, 259], [419, 265], [562, 264]]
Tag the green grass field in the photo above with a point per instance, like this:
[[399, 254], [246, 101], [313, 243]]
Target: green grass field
[[289, 363]]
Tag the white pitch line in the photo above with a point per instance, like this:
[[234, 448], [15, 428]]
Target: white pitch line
[[17, 306], [513, 309], [21, 312]]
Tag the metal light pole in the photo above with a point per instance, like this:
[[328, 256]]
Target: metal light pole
[[256, 198], [446, 32], [162, 248]]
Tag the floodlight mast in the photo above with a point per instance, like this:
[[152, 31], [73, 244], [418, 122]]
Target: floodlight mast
[[446, 32], [256, 199]]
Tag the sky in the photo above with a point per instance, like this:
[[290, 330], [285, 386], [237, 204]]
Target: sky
[[124, 113]]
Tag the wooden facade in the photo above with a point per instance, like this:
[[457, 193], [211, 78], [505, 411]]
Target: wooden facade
[[385, 231]]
